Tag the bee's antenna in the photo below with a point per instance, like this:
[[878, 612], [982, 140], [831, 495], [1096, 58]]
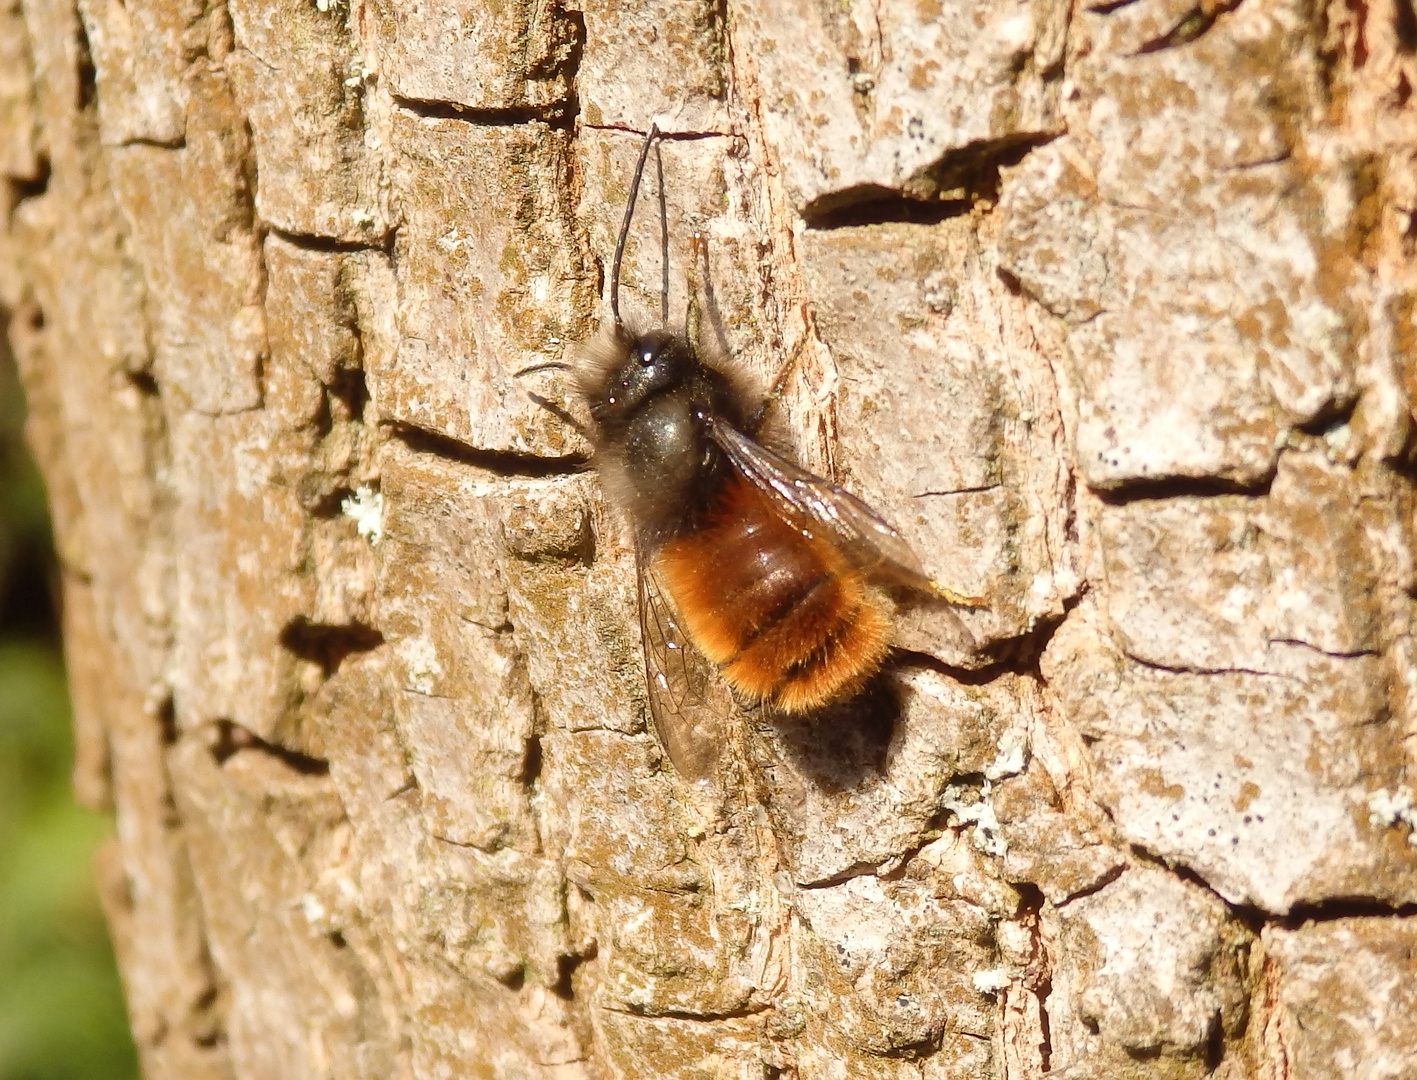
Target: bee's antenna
[[663, 241], [650, 136], [550, 365]]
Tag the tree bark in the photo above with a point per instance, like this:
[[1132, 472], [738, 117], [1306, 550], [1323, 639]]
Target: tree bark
[[1109, 307]]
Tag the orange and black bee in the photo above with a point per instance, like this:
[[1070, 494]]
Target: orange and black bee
[[778, 578]]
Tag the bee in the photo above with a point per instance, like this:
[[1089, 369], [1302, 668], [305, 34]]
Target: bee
[[750, 568]]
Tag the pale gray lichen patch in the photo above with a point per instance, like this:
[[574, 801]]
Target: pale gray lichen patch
[[366, 508], [1387, 808]]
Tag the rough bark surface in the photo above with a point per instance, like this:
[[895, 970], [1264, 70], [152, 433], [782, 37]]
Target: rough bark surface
[[1110, 307]]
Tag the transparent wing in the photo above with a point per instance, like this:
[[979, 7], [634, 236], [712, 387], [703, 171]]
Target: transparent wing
[[688, 704], [817, 505]]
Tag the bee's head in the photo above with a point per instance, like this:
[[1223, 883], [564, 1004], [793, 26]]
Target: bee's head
[[629, 370], [650, 395]]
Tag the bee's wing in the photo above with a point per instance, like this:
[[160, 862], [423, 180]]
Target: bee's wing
[[686, 702], [814, 504]]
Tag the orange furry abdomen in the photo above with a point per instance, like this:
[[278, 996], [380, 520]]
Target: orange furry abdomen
[[784, 616]]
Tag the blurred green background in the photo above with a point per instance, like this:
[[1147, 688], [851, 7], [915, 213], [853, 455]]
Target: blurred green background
[[61, 1008]]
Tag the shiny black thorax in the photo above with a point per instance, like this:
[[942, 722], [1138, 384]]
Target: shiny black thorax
[[651, 412]]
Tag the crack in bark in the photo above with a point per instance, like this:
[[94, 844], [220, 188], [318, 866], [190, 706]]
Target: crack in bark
[[669, 136], [696, 1017], [232, 739], [1017, 655], [1193, 669], [1157, 488], [1333, 653], [328, 645], [1299, 914], [24, 188], [1189, 669], [972, 170], [863, 868], [875, 204], [1191, 26], [1356, 907], [332, 245], [1095, 888], [958, 491], [892, 866], [1404, 25], [179, 143], [1258, 163], [559, 115]]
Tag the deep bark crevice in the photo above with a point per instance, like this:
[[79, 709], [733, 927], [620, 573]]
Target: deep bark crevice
[[1166, 488], [950, 187], [1190, 27], [871, 205], [669, 136], [166, 716], [556, 116], [333, 245], [1194, 24], [326, 645], [144, 382], [708, 1016], [232, 739], [1092, 889], [1354, 907], [566, 966], [30, 187], [1404, 26], [86, 74]]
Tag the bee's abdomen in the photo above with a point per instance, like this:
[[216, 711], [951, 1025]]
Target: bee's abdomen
[[786, 618]]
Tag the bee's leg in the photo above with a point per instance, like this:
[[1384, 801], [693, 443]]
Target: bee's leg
[[779, 383]]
